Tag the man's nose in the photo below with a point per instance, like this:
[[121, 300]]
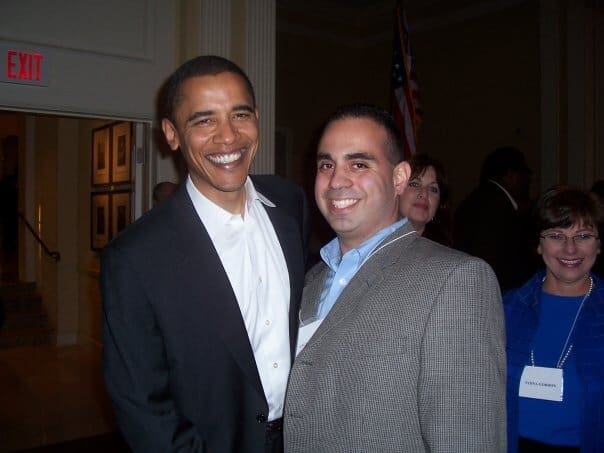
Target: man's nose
[[339, 179], [225, 133]]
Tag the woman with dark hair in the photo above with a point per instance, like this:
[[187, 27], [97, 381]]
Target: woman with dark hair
[[555, 334], [424, 199]]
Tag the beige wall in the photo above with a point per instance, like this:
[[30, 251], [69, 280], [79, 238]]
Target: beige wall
[[89, 299], [45, 202]]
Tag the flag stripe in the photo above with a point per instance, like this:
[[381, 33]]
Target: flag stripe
[[406, 106]]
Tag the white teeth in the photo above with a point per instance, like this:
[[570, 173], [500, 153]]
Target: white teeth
[[570, 262], [341, 204], [223, 159]]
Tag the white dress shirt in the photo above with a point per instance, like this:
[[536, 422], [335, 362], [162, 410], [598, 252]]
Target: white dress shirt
[[510, 197], [254, 263]]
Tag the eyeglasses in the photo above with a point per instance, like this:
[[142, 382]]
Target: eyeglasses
[[580, 240]]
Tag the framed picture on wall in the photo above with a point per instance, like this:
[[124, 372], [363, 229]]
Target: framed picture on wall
[[120, 211], [100, 156], [121, 142], [99, 220]]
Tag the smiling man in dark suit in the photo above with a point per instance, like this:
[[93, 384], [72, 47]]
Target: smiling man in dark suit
[[201, 295]]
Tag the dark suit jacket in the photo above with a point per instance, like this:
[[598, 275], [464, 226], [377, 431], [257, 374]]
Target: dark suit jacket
[[177, 361], [487, 226]]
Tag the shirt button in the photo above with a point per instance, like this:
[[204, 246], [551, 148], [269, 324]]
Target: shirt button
[[267, 322], [342, 281], [275, 365]]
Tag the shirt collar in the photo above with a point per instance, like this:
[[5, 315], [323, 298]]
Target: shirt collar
[[212, 215], [514, 204], [253, 194], [332, 255]]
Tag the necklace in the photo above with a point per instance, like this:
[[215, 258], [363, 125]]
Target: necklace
[[564, 355]]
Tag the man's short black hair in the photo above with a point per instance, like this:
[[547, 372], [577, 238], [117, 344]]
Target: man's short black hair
[[394, 144], [501, 161], [197, 67]]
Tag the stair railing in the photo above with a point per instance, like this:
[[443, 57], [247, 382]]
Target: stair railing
[[55, 255]]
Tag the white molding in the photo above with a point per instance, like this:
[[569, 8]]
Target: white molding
[[215, 33]]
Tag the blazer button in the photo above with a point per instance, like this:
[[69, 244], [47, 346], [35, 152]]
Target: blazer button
[[260, 418]]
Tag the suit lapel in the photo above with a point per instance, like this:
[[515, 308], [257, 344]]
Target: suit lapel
[[368, 276], [212, 297]]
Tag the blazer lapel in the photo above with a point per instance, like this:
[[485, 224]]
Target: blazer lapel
[[368, 276], [212, 297]]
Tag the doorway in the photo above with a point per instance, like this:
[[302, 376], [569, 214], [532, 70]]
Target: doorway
[[50, 309]]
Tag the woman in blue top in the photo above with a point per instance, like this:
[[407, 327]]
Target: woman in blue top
[[555, 334]]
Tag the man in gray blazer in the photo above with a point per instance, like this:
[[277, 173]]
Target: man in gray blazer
[[401, 346]]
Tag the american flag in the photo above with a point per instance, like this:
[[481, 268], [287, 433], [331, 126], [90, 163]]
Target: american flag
[[406, 107]]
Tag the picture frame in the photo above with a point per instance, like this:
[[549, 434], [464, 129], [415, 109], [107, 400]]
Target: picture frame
[[99, 220], [101, 166], [121, 211], [121, 152]]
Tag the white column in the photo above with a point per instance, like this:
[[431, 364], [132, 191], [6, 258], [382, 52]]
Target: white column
[[215, 35], [260, 67]]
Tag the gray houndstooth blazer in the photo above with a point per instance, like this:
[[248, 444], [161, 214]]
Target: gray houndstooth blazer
[[411, 357]]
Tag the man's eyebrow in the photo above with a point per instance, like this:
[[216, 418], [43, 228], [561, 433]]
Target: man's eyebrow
[[236, 108], [199, 114], [352, 156], [360, 155], [245, 107]]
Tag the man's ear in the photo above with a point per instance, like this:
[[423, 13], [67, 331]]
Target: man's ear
[[170, 133], [401, 175]]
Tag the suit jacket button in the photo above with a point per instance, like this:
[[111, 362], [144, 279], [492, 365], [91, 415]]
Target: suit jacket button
[[260, 418]]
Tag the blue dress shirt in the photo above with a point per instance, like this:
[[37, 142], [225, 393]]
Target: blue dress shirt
[[342, 268]]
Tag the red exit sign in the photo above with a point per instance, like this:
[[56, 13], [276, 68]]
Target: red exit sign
[[29, 67]]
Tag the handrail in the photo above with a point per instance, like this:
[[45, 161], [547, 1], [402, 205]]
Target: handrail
[[53, 254]]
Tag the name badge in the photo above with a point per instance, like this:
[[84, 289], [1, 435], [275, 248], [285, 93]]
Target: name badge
[[541, 383], [305, 333]]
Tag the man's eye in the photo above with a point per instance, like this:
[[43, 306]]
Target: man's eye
[[359, 165], [242, 115], [324, 165], [202, 122]]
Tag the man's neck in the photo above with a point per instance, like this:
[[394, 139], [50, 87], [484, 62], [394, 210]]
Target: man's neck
[[233, 202]]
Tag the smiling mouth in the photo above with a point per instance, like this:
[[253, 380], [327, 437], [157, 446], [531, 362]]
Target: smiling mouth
[[226, 158], [344, 203], [570, 263]]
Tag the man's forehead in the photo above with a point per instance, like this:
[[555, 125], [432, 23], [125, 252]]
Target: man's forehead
[[348, 138], [222, 80]]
